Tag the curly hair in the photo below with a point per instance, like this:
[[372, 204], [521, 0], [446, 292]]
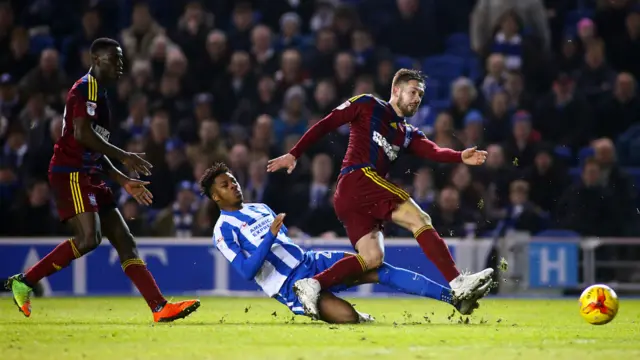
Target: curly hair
[[209, 177]]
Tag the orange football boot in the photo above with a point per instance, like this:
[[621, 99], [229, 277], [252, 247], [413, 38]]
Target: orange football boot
[[174, 311]]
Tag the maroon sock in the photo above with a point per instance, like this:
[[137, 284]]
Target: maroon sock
[[57, 259], [350, 266], [437, 251], [140, 276]]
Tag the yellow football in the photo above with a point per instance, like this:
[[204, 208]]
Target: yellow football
[[598, 304]]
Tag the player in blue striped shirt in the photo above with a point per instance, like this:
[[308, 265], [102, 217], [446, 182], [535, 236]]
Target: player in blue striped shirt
[[255, 242]]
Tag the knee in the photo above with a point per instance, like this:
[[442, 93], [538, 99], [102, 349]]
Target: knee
[[88, 242], [129, 250], [418, 220], [373, 258]]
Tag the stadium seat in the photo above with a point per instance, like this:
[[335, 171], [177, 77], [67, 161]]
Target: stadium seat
[[405, 62], [458, 44], [474, 68], [563, 152], [443, 67], [40, 42]]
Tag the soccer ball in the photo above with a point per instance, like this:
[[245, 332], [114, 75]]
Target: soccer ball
[[598, 304]]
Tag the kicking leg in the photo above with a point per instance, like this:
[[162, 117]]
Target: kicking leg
[[117, 231], [411, 217], [370, 256], [86, 227]]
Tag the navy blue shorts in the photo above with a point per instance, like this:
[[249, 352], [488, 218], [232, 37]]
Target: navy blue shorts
[[314, 263]]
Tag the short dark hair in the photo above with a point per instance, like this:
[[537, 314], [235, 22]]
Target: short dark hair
[[209, 177], [101, 44], [406, 75]]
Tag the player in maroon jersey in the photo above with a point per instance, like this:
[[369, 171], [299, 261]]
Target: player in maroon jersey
[[364, 198], [84, 200]]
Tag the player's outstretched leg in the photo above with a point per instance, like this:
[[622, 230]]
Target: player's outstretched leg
[[464, 286], [87, 237], [117, 231]]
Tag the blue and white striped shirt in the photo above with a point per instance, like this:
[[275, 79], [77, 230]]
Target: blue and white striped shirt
[[238, 235]]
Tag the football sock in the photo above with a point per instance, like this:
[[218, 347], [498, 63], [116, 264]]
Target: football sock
[[412, 283], [347, 267], [140, 276], [56, 260], [437, 251]]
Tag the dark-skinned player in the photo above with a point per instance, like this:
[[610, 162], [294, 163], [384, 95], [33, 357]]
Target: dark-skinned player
[[80, 158]]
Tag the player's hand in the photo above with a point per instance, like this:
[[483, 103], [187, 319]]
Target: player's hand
[[285, 161], [473, 156], [137, 189], [134, 162], [276, 225]]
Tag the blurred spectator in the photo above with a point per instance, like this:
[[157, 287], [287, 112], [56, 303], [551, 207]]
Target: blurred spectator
[[193, 27], [264, 55], [81, 40], [495, 78], [463, 96], [624, 52], [290, 24], [178, 220], [211, 147], [293, 118], [413, 18], [468, 190], [136, 39], [320, 59], [47, 78], [563, 117], [495, 178], [11, 102], [521, 214], [14, 149], [169, 174], [519, 98], [615, 179], [237, 84], [242, 20], [588, 207], [423, 191], [345, 19], [363, 48], [34, 209], [498, 125], [213, 65], [324, 97], [547, 178], [260, 186], [159, 134], [137, 124], [17, 60], [239, 162], [596, 78], [262, 139], [623, 105], [487, 13], [444, 132], [473, 131], [520, 147], [345, 71], [449, 218], [570, 58]]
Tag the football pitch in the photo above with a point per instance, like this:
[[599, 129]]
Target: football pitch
[[249, 328]]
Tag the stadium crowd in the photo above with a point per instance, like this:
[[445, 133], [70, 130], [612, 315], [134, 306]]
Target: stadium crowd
[[547, 87]]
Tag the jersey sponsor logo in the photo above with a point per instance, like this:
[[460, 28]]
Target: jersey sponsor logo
[[390, 150], [260, 227], [104, 133], [91, 108]]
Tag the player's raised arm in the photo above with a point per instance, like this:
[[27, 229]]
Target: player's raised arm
[[425, 148], [226, 240], [336, 118]]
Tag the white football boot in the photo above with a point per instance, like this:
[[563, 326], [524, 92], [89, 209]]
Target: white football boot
[[308, 291], [466, 286], [466, 307], [364, 317]]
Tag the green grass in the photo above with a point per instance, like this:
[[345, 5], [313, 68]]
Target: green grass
[[241, 328]]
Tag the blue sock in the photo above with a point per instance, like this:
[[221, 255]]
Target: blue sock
[[412, 283]]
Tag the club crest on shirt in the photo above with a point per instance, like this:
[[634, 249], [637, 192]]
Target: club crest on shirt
[[92, 200], [91, 108]]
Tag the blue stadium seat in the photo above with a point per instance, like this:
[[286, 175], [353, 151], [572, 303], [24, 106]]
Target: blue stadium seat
[[474, 68], [458, 44], [563, 152], [432, 88], [406, 62], [443, 67], [558, 233], [40, 42], [585, 153]]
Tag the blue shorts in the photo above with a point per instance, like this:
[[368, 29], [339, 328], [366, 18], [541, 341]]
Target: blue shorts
[[314, 263]]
